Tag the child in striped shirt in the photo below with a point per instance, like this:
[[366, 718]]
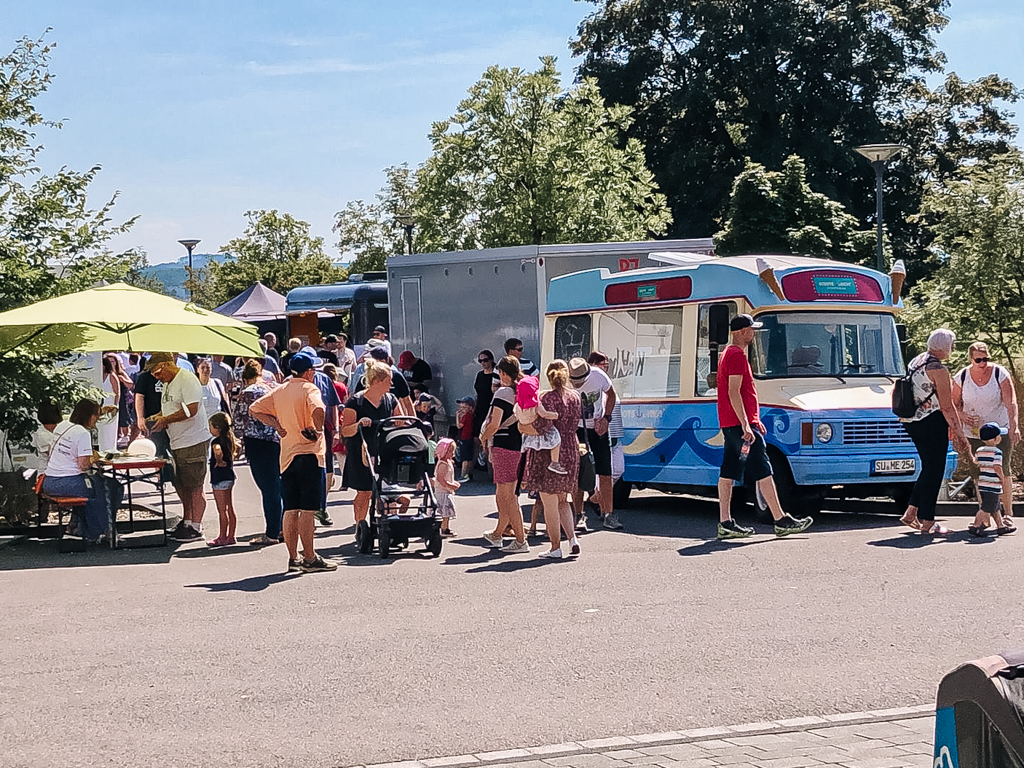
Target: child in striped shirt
[[990, 482]]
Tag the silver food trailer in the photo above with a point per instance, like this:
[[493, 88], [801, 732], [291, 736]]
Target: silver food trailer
[[446, 307]]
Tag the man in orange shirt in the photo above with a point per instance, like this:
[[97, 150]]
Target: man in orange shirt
[[296, 410]]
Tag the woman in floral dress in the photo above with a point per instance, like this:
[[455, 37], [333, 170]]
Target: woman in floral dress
[[553, 488]]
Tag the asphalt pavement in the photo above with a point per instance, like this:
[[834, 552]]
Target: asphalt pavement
[[187, 656]]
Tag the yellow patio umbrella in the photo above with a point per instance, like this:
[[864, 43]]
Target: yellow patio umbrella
[[123, 318]]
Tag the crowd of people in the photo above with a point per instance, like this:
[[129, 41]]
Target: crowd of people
[[301, 417]]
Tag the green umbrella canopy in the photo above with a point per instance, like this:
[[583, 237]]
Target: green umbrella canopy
[[122, 317]]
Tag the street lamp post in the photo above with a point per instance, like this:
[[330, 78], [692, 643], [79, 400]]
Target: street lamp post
[[406, 222], [878, 155], [190, 244]]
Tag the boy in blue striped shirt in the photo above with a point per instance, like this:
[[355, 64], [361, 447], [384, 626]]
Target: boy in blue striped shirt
[[990, 482]]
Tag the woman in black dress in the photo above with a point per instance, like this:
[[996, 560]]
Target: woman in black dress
[[364, 409], [487, 381]]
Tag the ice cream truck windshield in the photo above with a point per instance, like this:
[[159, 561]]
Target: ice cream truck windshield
[[831, 344]]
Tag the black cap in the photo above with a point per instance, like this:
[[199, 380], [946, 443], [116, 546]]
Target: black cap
[[380, 329], [740, 322]]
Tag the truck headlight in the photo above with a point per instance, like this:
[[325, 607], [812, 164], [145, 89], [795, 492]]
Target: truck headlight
[[824, 433]]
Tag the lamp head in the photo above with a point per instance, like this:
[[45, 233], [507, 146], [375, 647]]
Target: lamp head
[[190, 243], [879, 153]]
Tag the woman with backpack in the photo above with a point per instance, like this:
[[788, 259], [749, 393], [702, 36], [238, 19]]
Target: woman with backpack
[[983, 392], [934, 422]]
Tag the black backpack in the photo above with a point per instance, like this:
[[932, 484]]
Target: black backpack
[[904, 404]]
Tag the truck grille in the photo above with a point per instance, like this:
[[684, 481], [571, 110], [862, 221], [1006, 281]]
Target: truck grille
[[882, 432]]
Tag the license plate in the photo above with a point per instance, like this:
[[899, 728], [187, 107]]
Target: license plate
[[893, 466]]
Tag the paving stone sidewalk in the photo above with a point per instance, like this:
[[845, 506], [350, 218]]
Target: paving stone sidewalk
[[893, 738]]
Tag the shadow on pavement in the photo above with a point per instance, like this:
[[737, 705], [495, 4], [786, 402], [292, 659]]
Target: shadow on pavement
[[508, 564], [911, 540], [714, 546], [33, 554], [250, 584]]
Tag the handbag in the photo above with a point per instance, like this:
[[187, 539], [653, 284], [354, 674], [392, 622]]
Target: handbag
[[587, 477]]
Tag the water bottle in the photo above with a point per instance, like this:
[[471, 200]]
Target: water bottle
[[745, 451]]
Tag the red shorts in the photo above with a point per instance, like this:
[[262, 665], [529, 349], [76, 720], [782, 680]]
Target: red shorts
[[505, 464]]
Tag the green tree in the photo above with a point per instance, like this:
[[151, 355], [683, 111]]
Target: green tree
[[522, 162], [777, 212], [714, 82], [51, 241], [978, 292], [275, 249], [370, 232]]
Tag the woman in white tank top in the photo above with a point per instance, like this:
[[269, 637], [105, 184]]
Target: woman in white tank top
[[983, 392]]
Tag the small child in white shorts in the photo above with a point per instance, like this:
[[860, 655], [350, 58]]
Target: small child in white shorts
[[528, 410]]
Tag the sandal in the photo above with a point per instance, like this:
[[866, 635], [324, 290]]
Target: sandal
[[978, 530], [911, 522], [1005, 529]]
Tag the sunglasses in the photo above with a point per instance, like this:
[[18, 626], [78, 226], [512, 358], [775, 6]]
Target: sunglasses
[[981, 359], [517, 349], [483, 359]]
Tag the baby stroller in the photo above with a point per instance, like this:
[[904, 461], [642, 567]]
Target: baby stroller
[[402, 506]]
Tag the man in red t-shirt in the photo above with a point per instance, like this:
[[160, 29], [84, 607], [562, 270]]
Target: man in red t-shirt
[[745, 456]]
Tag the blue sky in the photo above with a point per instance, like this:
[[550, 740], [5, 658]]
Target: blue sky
[[199, 111]]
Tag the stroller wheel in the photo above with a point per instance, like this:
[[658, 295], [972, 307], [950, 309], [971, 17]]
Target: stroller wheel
[[364, 538], [434, 542], [383, 542]]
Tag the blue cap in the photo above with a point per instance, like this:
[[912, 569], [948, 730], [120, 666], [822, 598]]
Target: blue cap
[[300, 363], [991, 431]]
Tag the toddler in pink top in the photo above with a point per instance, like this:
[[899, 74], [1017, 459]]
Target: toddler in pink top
[[528, 410]]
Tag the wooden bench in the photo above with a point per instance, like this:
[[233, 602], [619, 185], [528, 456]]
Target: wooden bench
[[61, 504]]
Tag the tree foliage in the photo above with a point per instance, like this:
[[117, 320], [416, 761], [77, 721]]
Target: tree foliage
[[714, 82], [777, 212], [370, 232], [275, 249], [51, 241], [522, 162], [978, 292]]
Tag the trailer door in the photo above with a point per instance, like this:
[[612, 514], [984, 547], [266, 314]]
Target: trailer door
[[412, 316]]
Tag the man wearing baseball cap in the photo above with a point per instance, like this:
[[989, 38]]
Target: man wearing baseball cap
[[296, 410], [183, 416], [739, 416], [598, 398]]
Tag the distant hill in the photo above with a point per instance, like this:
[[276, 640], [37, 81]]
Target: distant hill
[[173, 274]]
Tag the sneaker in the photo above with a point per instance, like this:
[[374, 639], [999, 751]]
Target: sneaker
[[516, 548], [465, 478], [611, 522], [551, 554], [730, 529], [574, 546], [494, 541], [318, 564], [176, 529], [187, 533], [557, 468], [294, 565], [787, 525], [323, 518]]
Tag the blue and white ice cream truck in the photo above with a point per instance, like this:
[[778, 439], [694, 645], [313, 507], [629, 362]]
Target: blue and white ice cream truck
[[824, 361]]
